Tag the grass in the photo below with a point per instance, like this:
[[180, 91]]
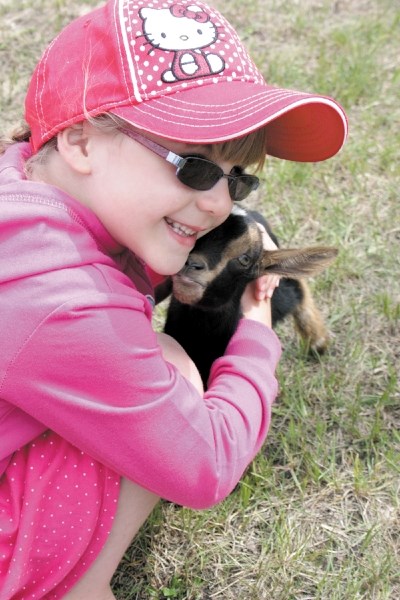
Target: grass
[[316, 515]]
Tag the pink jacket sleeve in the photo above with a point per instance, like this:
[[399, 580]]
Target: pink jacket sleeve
[[111, 394]]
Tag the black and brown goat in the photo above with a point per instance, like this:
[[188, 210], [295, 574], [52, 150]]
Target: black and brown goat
[[205, 306]]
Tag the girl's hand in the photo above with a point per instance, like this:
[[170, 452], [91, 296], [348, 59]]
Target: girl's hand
[[256, 300], [265, 286]]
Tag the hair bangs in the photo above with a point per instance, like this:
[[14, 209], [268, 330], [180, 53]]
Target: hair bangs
[[244, 151]]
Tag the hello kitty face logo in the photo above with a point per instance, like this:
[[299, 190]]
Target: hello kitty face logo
[[185, 31]]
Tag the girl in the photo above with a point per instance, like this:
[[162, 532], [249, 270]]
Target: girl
[[141, 118]]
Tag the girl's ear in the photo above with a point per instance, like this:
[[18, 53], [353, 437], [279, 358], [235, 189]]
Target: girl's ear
[[73, 146]]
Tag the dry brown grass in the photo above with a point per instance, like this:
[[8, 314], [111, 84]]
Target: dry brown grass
[[317, 513]]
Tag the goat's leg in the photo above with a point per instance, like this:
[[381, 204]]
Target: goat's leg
[[309, 322]]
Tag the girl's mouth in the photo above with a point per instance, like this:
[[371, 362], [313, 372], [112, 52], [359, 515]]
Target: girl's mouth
[[180, 229]]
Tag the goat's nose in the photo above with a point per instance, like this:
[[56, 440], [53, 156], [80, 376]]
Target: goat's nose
[[196, 263]]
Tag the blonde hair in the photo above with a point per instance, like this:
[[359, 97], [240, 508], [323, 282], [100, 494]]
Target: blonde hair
[[19, 134], [244, 151], [22, 133]]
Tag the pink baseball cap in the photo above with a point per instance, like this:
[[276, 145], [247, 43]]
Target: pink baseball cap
[[175, 68]]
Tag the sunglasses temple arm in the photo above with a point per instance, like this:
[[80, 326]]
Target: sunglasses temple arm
[[169, 156]]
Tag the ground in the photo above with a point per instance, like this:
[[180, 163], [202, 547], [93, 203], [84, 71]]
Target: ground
[[316, 515]]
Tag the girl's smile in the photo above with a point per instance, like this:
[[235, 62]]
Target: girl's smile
[[185, 234], [137, 196]]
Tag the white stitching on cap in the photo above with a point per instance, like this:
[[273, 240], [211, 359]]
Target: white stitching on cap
[[241, 117], [269, 97], [38, 96], [223, 116], [128, 54]]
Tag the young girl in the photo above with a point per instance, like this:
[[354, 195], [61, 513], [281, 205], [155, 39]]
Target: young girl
[[141, 118]]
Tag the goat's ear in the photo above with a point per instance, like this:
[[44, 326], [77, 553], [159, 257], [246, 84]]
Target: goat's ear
[[298, 263]]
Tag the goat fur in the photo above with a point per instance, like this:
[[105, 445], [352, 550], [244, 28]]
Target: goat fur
[[205, 310]]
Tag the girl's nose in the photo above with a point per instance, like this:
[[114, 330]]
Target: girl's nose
[[216, 200]]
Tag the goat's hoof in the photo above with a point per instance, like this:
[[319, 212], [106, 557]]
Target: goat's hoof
[[315, 347], [319, 346]]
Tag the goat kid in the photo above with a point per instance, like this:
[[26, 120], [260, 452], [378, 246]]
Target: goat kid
[[204, 310]]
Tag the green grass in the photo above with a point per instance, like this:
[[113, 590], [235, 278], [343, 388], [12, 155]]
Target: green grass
[[316, 515]]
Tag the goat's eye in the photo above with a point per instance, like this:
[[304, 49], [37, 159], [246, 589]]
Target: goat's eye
[[244, 260]]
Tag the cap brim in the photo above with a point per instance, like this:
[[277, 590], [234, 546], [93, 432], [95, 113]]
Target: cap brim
[[301, 127]]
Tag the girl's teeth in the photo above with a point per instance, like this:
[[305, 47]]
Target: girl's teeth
[[181, 229]]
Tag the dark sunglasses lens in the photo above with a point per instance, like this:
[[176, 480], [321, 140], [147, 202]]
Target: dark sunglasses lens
[[241, 186], [199, 173]]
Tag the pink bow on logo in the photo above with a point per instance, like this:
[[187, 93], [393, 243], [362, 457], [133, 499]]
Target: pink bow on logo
[[180, 11]]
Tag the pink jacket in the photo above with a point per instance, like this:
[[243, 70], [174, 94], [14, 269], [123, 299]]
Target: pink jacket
[[79, 356]]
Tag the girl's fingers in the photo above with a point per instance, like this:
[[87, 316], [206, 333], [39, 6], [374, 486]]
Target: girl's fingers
[[265, 286]]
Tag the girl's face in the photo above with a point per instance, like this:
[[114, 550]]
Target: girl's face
[[143, 205]]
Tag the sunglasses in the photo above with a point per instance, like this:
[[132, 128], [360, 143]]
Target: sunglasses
[[199, 173]]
